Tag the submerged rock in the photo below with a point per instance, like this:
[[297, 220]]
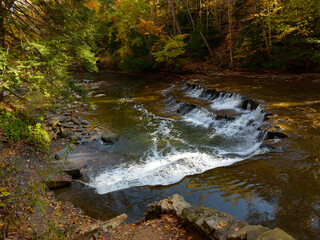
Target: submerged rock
[[273, 135], [110, 138]]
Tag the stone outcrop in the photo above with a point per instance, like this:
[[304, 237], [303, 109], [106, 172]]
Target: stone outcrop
[[212, 223], [94, 231], [173, 205]]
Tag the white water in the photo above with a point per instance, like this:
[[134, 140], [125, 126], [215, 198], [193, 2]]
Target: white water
[[171, 156]]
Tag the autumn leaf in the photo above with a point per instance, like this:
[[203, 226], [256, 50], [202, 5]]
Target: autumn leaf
[[223, 224]]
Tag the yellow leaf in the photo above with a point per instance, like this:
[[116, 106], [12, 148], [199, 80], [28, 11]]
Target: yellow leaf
[[223, 224]]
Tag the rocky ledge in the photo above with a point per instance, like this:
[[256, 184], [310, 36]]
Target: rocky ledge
[[212, 223]]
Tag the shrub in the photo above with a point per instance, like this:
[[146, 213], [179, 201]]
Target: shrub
[[15, 129]]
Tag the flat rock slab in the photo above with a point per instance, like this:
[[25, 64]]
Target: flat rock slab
[[100, 229], [209, 221], [249, 232], [89, 158], [275, 234]]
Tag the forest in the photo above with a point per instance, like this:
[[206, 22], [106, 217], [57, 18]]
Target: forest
[[42, 40]]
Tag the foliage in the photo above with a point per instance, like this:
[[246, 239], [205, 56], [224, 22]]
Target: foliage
[[197, 46], [15, 128], [281, 35], [43, 40], [173, 48], [131, 63]]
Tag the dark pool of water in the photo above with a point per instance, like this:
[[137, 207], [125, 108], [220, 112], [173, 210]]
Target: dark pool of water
[[280, 187]]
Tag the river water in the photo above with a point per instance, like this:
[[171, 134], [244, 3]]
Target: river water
[[180, 136]]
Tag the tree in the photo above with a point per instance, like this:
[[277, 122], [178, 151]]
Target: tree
[[40, 40]]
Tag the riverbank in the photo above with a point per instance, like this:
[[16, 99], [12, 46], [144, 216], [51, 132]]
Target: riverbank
[[29, 210]]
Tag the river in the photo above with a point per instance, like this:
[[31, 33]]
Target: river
[[178, 136]]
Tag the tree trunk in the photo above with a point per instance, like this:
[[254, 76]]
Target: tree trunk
[[2, 38], [205, 41], [230, 35], [2, 30], [174, 18]]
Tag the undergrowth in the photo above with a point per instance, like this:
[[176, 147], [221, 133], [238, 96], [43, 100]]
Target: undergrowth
[[15, 128]]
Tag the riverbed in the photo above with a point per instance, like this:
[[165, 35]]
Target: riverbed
[[214, 154]]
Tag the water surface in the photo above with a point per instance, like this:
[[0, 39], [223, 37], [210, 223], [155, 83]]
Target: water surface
[[210, 161]]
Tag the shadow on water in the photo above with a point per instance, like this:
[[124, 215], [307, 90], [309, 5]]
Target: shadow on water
[[280, 187]]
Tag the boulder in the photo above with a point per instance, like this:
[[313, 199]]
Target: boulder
[[276, 233], [110, 138], [60, 180], [228, 235], [74, 173], [94, 231], [208, 221], [64, 133], [249, 232], [172, 205]]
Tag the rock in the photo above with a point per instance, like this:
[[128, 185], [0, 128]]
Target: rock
[[75, 121], [275, 234], [56, 111], [84, 122], [93, 132], [58, 181], [249, 232], [63, 144], [233, 230], [52, 135], [54, 121], [208, 221], [75, 138], [66, 125], [110, 138], [273, 135], [94, 108], [250, 104], [64, 133], [172, 205], [211, 223], [74, 173], [95, 230], [100, 95]]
